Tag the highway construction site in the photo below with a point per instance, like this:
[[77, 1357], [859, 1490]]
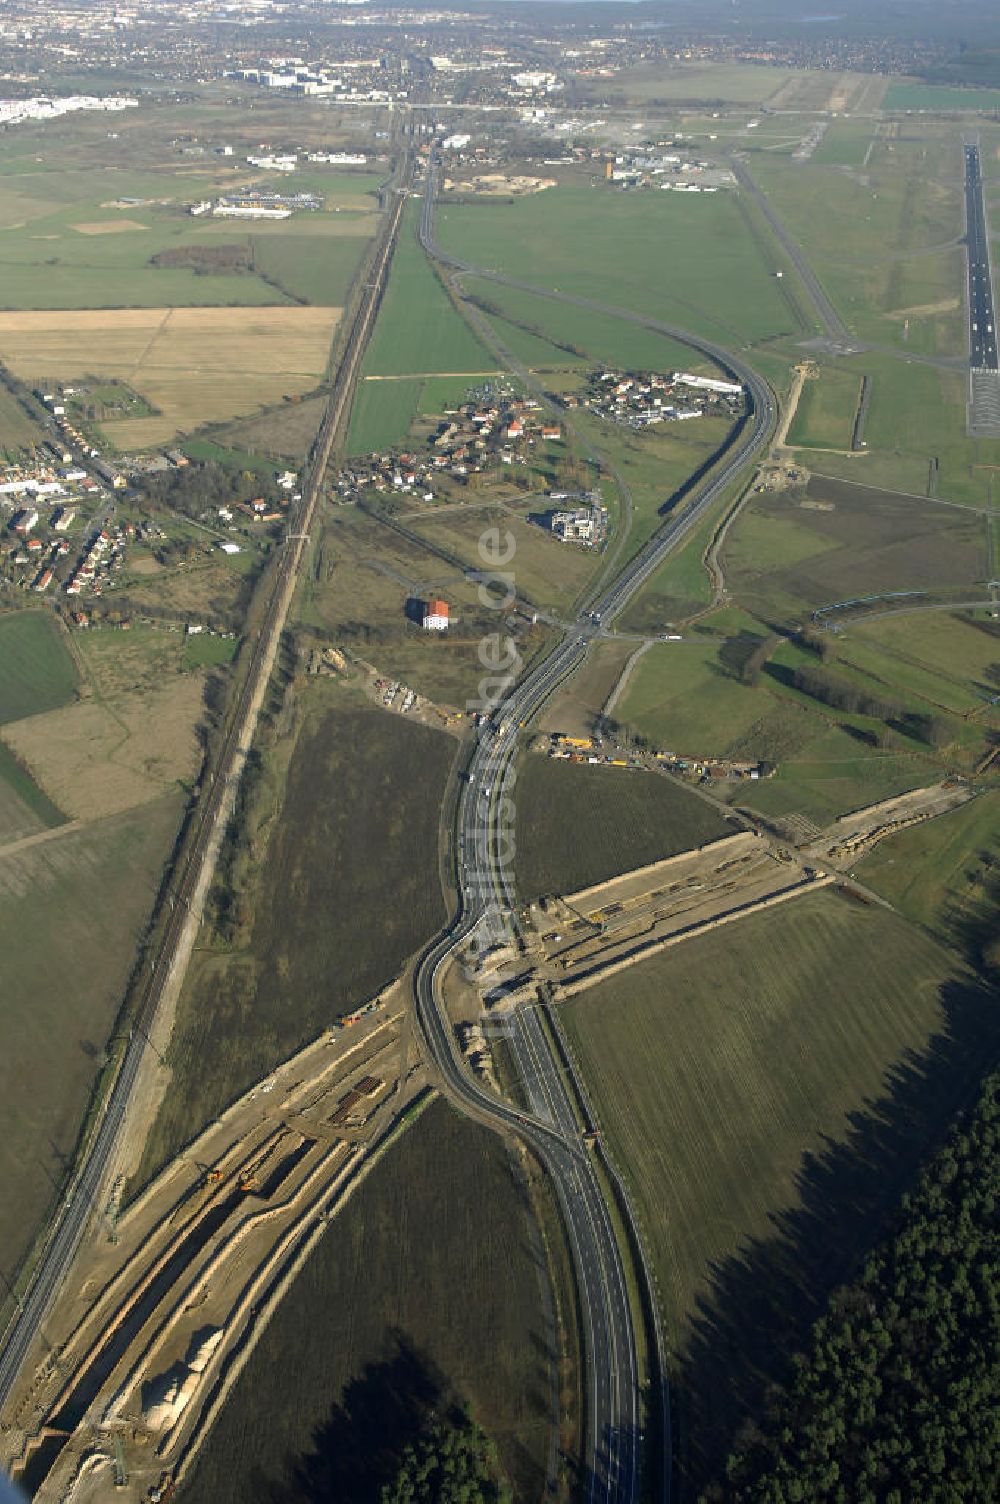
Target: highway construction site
[[572, 942], [141, 1355]]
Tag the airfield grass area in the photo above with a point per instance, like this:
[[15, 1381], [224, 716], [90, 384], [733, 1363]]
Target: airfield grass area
[[346, 889], [884, 243], [915, 435], [906, 95], [845, 144], [578, 825], [768, 1090], [192, 365], [37, 672], [791, 552], [682, 258], [72, 910], [424, 1288], [824, 416]]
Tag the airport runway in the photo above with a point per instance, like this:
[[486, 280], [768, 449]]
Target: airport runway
[[984, 365]]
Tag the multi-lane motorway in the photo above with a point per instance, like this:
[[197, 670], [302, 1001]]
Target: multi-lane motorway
[[486, 910]]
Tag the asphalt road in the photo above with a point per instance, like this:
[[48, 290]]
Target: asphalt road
[[81, 1197], [486, 911], [982, 318]]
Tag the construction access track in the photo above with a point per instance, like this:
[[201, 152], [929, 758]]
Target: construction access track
[[98, 1162]]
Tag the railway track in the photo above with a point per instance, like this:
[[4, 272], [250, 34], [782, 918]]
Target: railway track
[[197, 862]]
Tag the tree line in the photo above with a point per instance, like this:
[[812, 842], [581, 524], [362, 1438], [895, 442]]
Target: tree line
[[898, 1397]]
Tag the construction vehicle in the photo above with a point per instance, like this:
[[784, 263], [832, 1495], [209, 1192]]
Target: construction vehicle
[[249, 1181]]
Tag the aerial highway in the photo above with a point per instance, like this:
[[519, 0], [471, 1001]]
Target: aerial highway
[[486, 912], [85, 1189]]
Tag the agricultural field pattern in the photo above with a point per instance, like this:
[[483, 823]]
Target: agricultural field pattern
[[499, 755]]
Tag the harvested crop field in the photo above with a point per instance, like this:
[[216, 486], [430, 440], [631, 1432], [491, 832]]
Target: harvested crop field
[[768, 1090], [424, 1285], [578, 825], [71, 911], [97, 758], [193, 365]]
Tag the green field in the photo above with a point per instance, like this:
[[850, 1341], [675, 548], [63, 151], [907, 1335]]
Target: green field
[[24, 808], [419, 333], [71, 912], [941, 874], [383, 414], [766, 1091], [419, 329], [342, 889], [79, 230], [545, 332], [311, 268], [206, 650], [616, 248], [884, 242], [845, 144], [824, 417], [915, 435], [918, 96], [425, 1287], [17, 431], [578, 825], [36, 670]]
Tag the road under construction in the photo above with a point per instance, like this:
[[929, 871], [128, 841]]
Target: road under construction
[[168, 1311]]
